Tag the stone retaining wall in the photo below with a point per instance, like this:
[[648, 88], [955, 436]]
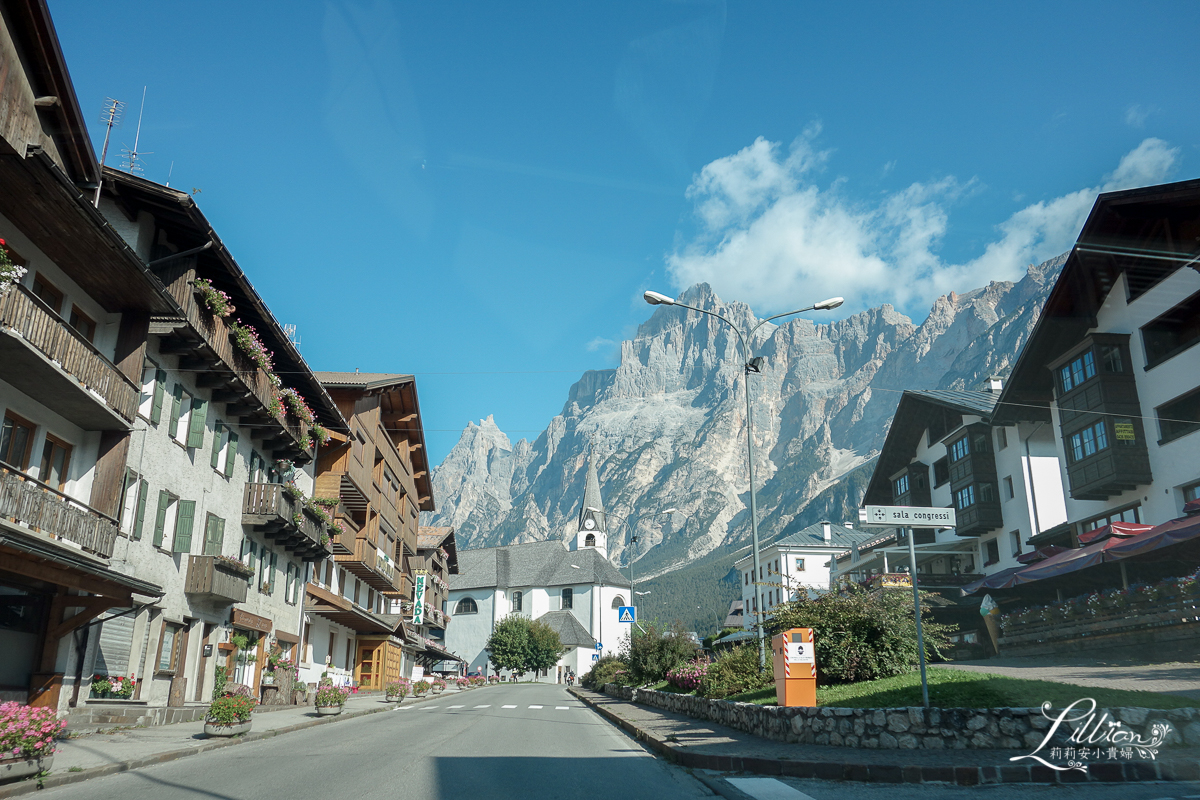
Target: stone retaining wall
[[905, 728]]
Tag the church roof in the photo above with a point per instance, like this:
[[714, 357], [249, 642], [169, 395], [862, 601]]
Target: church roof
[[569, 629], [547, 563], [591, 493]]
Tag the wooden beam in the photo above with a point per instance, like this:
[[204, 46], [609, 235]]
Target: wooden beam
[[48, 571], [230, 395], [92, 607], [207, 380]]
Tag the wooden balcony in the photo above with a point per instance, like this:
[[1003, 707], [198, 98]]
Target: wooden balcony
[[206, 345], [365, 562], [47, 359], [980, 518], [283, 519], [214, 578], [30, 502]]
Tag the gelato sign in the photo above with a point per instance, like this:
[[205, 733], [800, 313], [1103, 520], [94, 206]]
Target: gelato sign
[[418, 617]]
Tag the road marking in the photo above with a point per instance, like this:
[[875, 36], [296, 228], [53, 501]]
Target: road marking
[[508, 706], [562, 708], [489, 705], [537, 707], [457, 706], [428, 708], [767, 789]]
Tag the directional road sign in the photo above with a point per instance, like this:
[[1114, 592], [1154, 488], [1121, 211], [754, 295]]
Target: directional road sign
[[907, 517], [599, 646], [626, 614]]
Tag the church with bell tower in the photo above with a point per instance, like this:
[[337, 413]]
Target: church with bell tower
[[592, 528]]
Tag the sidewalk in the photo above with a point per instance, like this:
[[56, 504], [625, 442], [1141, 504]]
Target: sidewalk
[[97, 754], [699, 744], [1179, 678]]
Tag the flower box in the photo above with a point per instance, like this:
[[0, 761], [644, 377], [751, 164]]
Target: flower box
[[237, 729], [328, 711], [14, 768]]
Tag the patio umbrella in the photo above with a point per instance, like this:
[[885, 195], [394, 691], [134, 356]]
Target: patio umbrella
[[1000, 580], [1116, 529], [1041, 554], [1066, 562], [1177, 531]]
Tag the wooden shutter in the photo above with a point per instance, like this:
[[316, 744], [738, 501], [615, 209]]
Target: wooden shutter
[[160, 520], [176, 409], [214, 535], [216, 448], [195, 437], [184, 520], [160, 388], [140, 518], [231, 455]]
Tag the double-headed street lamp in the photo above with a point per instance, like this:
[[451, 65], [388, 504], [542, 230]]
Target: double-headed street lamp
[[632, 539], [752, 364]]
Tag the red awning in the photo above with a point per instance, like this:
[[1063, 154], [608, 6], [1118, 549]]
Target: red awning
[[1041, 554], [1170, 533], [1066, 562], [1000, 580], [1116, 529]]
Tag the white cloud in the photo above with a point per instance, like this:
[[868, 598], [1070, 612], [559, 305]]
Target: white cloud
[[768, 235], [1135, 115], [600, 343]]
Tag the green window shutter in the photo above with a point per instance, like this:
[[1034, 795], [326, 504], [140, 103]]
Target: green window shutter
[[143, 490], [231, 456], [160, 386], [160, 520], [176, 409], [254, 459], [216, 448], [199, 416], [183, 526], [271, 572], [214, 535]]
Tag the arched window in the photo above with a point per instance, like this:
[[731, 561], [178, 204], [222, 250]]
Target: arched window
[[590, 540], [517, 597], [618, 601], [466, 606]]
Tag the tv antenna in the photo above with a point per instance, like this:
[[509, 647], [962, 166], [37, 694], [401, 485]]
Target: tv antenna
[[289, 331], [131, 164], [170, 172], [111, 116]]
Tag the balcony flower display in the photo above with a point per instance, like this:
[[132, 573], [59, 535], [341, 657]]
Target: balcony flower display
[[113, 687], [297, 406], [234, 565], [10, 273], [27, 732], [219, 303], [247, 340], [1136, 599]]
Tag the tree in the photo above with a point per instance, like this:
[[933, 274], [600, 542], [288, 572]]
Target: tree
[[508, 646], [545, 647]]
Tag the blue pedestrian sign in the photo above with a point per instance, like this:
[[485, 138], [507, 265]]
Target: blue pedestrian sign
[[600, 646], [626, 614], [595, 656]]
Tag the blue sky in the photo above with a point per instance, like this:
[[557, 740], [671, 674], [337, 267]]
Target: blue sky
[[478, 193]]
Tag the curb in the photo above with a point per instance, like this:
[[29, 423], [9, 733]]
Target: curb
[[1115, 772], [30, 785]]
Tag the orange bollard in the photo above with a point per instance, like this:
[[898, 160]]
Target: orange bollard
[[795, 661]]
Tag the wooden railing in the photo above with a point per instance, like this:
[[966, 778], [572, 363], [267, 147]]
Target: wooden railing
[[36, 322], [1141, 616], [268, 505], [209, 576], [47, 510], [365, 562], [217, 335]]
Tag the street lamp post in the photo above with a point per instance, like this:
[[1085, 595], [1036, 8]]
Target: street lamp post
[[751, 365]]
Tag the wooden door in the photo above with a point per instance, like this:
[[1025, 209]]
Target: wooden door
[[177, 697], [204, 661], [369, 668]]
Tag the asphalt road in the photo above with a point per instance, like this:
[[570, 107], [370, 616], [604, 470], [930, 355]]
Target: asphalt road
[[526, 741]]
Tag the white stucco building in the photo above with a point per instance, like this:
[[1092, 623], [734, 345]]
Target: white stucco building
[[573, 588]]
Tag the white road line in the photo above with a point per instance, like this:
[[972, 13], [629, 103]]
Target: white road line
[[562, 708], [767, 789], [489, 705], [537, 707], [457, 706], [508, 706], [428, 708]]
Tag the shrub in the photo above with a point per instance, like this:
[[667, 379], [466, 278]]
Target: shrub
[[603, 671], [735, 671], [399, 689], [863, 635], [687, 677], [230, 710], [655, 652], [28, 732], [330, 695]]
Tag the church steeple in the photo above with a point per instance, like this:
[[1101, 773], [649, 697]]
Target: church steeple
[[592, 530]]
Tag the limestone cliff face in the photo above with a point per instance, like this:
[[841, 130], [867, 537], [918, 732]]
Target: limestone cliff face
[[669, 423]]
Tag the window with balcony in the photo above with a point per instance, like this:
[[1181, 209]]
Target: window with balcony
[[56, 461], [466, 605], [83, 324], [16, 441], [48, 292], [214, 535], [1089, 441], [1173, 332], [567, 599], [1179, 417]]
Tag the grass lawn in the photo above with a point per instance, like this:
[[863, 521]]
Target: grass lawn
[[952, 688]]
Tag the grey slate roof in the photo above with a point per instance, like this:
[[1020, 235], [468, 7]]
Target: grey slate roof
[[570, 630], [547, 563], [968, 402], [814, 536], [591, 493]]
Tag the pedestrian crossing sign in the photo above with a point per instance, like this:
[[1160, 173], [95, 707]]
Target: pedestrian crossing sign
[[626, 614]]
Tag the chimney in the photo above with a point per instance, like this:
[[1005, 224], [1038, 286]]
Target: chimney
[[827, 531], [848, 524], [995, 385]]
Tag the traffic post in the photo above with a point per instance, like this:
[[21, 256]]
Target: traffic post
[[794, 658]]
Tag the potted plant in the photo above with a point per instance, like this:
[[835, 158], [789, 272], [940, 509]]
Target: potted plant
[[330, 700], [462, 684], [420, 688], [396, 692], [229, 716], [438, 685], [27, 740]]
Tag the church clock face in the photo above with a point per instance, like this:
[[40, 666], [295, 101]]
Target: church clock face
[[589, 523]]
